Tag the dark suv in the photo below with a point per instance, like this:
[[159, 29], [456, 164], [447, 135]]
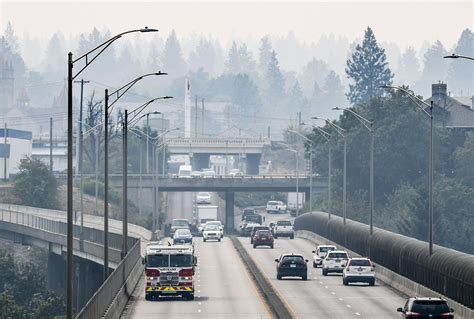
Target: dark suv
[[263, 238], [291, 265], [423, 307], [248, 211], [254, 230]]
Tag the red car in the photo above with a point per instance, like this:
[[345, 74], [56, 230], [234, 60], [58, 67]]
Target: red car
[[263, 238]]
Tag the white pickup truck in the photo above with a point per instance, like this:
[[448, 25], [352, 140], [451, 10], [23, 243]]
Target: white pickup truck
[[283, 228], [274, 206]]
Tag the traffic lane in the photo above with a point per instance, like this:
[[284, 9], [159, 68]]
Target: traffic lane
[[305, 299], [223, 289], [180, 206], [380, 301], [225, 285]]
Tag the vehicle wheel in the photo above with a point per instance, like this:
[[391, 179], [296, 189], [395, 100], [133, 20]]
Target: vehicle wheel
[[190, 297], [204, 239], [325, 273], [276, 236], [314, 265], [148, 297], [372, 282], [292, 237], [254, 246], [344, 282], [305, 277], [271, 246], [278, 277], [219, 240]]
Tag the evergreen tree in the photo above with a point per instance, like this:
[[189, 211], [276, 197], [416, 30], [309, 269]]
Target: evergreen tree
[[461, 71], [298, 102], [368, 69], [206, 57], [434, 70], [173, 61], [332, 95], [232, 63], [55, 57], [409, 68], [275, 82], [265, 54], [11, 38], [247, 63], [314, 71]]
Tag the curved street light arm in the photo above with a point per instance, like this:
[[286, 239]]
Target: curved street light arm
[[457, 56], [128, 86], [301, 135], [140, 108], [412, 97], [368, 124], [103, 46], [323, 133], [337, 128]]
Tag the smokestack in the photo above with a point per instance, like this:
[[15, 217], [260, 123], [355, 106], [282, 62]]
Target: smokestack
[[187, 108]]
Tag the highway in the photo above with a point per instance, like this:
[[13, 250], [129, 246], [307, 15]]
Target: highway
[[223, 286], [319, 296]]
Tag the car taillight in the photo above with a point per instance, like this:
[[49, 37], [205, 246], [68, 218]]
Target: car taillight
[[447, 315], [409, 314], [152, 273], [186, 273]]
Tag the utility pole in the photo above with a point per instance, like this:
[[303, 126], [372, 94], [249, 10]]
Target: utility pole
[[147, 144], [80, 150], [196, 117], [51, 144], [5, 133], [202, 118]]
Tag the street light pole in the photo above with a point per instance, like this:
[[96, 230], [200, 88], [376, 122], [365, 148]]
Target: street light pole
[[106, 185], [416, 101], [125, 187], [369, 125], [340, 131]]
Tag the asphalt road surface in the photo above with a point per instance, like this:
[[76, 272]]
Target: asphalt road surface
[[320, 296], [223, 286]]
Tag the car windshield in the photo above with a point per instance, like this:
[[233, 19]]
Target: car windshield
[[157, 261], [214, 223], [272, 203], [248, 211], [360, 263], [325, 249], [259, 228], [283, 223], [337, 255], [180, 260], [254, 218], [206, 220], [263, 233], [292, 259], [430, 306], [212, 227], [203, 194], [183, 232], [180, 222]]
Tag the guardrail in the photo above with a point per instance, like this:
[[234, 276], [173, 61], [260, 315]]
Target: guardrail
[[107, 298]]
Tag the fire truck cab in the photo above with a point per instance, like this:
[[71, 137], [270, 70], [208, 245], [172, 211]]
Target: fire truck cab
[[169, 271]]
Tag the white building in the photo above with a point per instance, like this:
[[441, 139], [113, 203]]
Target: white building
[[41, 151], [16, 144]]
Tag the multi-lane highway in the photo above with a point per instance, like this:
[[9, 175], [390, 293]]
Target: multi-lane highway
[[224, 289], [322, 296], [223, 286]]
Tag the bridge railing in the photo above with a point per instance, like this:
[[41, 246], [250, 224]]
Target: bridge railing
[[111, 297], [60, 227]]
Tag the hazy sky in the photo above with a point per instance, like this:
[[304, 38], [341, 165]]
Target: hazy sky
[[403, 22]]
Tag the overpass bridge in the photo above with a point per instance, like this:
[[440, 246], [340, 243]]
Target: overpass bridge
[[48, 229], [200, 149], [140, 188]]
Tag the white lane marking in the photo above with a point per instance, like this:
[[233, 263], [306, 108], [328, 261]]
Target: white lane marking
[[348, 306], [199, 303], [357, 314], [315, 277], [340, 299], [326, 287], [333, 292], [321, 282], [199, 310]]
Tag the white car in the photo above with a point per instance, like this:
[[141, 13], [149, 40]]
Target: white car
[[320, 253], [208, 173], [218, 224], [283, 228], [203, 198], [359, 270], [211, 232], [235, 172], [274, 206], [335, 261]]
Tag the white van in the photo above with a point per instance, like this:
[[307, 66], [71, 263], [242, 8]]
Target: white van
[[185, 171]]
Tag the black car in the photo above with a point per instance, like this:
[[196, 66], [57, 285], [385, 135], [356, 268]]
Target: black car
[[263, 238], [291, 265], [254, 230], [248, 211], [424, 307]]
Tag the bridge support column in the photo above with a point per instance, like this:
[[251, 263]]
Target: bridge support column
[[56, 273], [253, 163], [200, 161], [229, 211]]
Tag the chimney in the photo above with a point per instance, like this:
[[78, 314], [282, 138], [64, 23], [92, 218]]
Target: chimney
[[439, 93]]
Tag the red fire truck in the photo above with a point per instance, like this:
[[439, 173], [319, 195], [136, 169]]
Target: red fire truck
[[169, 271]]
